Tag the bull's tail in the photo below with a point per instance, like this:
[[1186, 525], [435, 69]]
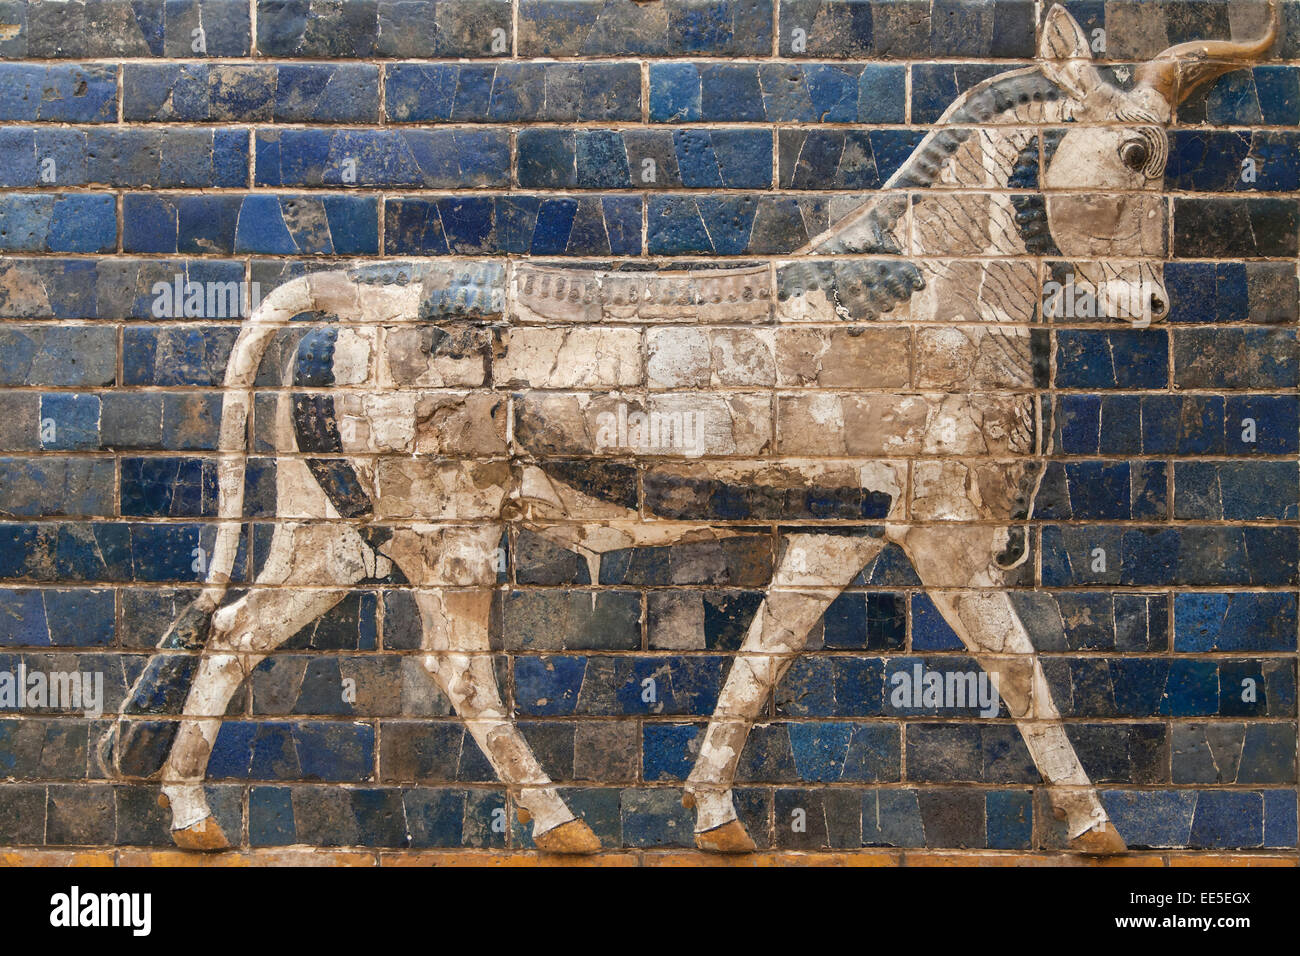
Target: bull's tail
[[138, 748]]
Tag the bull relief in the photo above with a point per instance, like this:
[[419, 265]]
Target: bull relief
[[883, 404]]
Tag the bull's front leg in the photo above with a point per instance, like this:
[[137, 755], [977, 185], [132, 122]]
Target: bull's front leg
[[813, 570], [957, 566]]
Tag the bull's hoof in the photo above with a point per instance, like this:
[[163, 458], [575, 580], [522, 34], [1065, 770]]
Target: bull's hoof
[[204, 836], [1100, 841], [731, 837], [572, 837]]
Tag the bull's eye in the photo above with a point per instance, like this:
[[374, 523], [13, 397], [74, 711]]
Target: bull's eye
[[1134, 154]]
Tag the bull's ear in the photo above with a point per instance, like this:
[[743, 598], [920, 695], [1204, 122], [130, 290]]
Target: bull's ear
[[1066, 55]]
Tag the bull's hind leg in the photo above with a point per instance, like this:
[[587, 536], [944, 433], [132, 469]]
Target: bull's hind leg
[[288, 596], [813, 570], [957, 568], [456, 613]]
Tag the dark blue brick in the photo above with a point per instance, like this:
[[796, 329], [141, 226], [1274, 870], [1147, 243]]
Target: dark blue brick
[[1236, 358], [69, 222], [1275, 420], [1237, 491], [517, 92], [822, 686], [1235, 622], [426, 158], [71, 421], [51, 485], [591, 225], [258, 223], [1223, 228], [1262, 95], [935, 86], [1127, 359], [69, 356], [59, 617], [176, 356], [891, 818], [623, 28], [59, 94]]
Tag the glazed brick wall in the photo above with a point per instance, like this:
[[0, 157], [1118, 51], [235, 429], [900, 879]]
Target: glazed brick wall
[[303, 134]]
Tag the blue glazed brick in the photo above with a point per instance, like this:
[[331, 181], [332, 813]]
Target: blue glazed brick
[[842, 159], [1102, 490], [1128, 359], [1217, 161], [1280, 818], [306, 750], [876, 621], [820, 686], [1257, 688], [655, 818], [1010, 816], [810, 92], [69, 421], [50, 485], [176, 356], [1268, 754], [58, 93], [683, 225], [548, 620], [117, 28], [384, 28], [666, 750], [315, 93], [258, 223], [75, 357], [56, 617], [31, 155], [623, 27], [830, 752], [1182, 425], [68, 222], [1262, 424], [466, 225], [1236, 491], [968, 752], [891, 818], [1220, 292], [604, 159], [1233, 228], [1152, 818], [1236, 358], [427, 158], [675, 94], [516, 92], [609, 686], [1262, 95], [1227, 819], [935, 86], [1235, 622], [1188, 555], [244, 92], [930, 632], [166, 158], [168, 487]]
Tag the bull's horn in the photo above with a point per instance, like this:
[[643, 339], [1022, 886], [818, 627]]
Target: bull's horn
[[1176, 72]]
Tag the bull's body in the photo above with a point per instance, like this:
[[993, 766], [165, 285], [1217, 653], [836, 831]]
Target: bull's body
[[891, 383]]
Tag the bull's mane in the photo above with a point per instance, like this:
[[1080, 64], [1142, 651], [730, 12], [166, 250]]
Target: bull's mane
[[867, 229]]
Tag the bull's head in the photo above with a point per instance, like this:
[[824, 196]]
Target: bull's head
[[1104, 179]]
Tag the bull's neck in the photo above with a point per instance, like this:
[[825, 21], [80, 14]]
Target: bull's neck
[[984, 146]]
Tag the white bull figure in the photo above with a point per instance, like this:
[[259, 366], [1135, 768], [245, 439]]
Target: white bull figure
[[887, 383]]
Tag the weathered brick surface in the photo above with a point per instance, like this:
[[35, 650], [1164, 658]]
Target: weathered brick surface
[[167, 166]]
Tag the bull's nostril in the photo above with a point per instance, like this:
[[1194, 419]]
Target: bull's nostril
[[1157, 305]]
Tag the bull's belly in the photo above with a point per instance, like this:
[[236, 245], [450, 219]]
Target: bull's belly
[[665, 415]]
